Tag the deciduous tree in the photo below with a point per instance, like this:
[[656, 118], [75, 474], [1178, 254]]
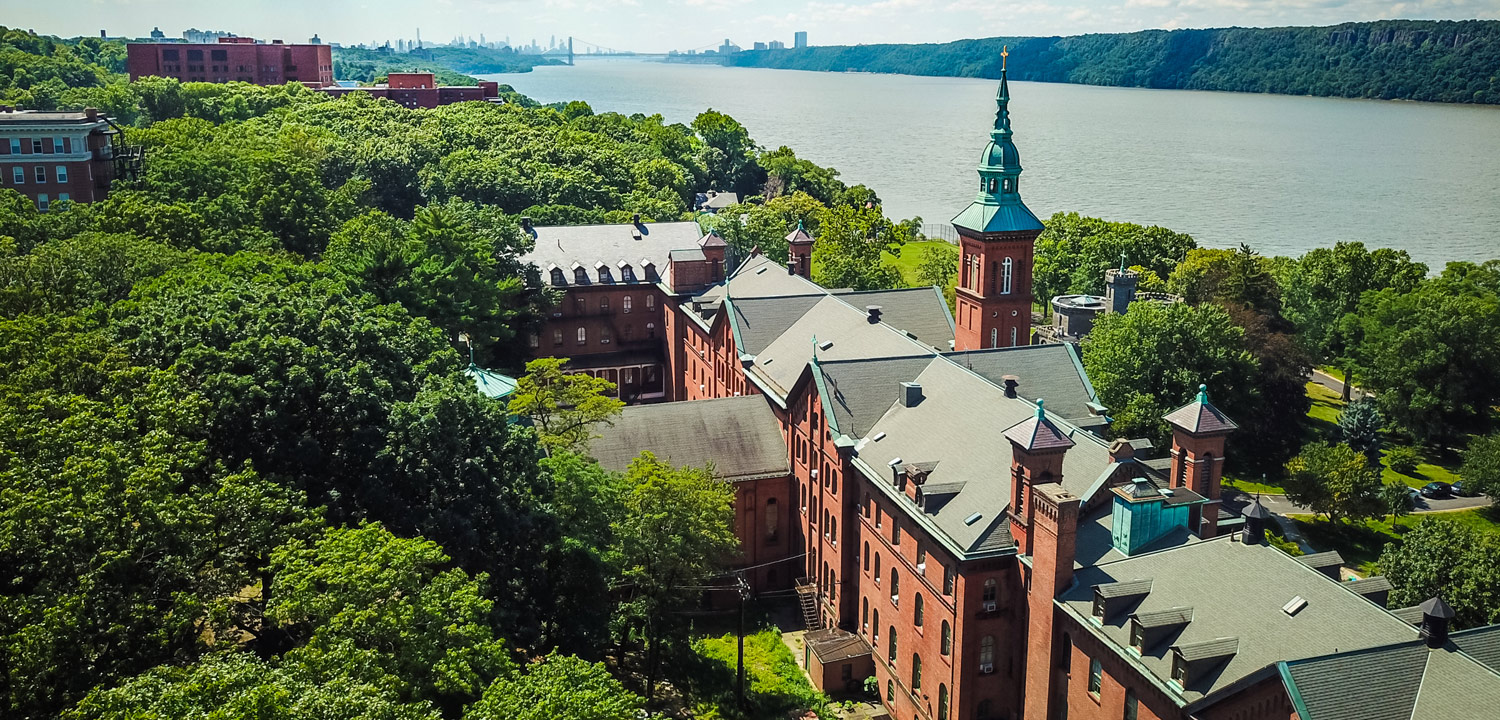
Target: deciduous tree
[[1443, 558], [559, 686], [1335, 481], [564, 407]]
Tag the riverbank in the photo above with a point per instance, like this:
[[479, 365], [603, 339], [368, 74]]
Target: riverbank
[[1434, 61]]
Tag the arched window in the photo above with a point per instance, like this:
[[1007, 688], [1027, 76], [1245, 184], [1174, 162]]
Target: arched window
[[895, 587], [987, 650], [603, 303], [917, 610], [946, 647], [916, 672], [773, 520], [994, 337], [877, 567], [583, 336], [890, 644], [864, 614], [1005, 272], [875, 627], [890, 691], [651, 330], [1065, 657], [994, 184], [833, 585], [1013, 339], [942, 702], [625, 304], [867, 557], [833, 530]]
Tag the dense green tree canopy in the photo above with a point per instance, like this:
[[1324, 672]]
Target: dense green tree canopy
[[1443, 558], [559, 686], [1074, 251], [1336, 481]]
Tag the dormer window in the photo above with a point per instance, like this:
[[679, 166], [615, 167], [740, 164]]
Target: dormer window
[[1137, 636], [627, 272], [603, 271], [580, 275], [558, 278], [648, 270]]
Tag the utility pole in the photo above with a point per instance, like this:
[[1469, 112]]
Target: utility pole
[[744, 589]]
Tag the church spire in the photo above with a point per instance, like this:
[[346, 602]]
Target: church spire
[[998, 207]]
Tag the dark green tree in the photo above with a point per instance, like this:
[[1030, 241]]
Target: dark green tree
[[559, 686], [1442, 558], [1334, 481]]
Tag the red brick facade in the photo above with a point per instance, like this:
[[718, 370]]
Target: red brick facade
[[50, 157], [993, 308], [232, 60]]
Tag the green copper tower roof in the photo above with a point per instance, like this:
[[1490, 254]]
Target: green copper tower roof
[[998, 207]]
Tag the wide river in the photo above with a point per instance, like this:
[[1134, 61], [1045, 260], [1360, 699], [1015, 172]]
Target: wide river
[[1283, 174]]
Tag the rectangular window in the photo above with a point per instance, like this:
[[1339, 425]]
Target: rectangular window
[[170, 55], [62, 196], [195, 55], [67, 145], [1096, 677], [604, 335], [921, 559], [15, 146], [557, 338], [950, 578], [62, 173], [41, 174], [219, 55], [18, 175], [535, 341], [36, 146], [41, 202], [895, 531]]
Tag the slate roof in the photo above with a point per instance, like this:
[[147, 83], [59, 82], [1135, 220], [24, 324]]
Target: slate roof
[[1236, 591], [587, 245], [1040, 369], [922, 312], [760, 276], [1038, 433], [1124, 588], [1482, 644], [1200, 417], [1400, 681], [739, 435], [840, 327], [959, 421]]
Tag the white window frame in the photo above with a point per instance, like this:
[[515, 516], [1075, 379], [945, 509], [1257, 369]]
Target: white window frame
[[15, 146], [61, 173], [583, 336], [40, 174], [18, 175], [63, 197], [42, 203], [1005, 273], [625, 304]]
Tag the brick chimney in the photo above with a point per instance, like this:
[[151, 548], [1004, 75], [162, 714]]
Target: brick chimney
[[1054, 541], [1198, 433]]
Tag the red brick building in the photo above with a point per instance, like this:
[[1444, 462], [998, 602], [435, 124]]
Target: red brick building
[[56, 156], [232, 59], [420, 90], [957, 524]]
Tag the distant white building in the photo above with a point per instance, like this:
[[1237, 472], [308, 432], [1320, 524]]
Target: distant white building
[[799, 39]]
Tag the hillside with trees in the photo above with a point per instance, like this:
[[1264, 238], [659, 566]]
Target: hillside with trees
[[1437, 61]]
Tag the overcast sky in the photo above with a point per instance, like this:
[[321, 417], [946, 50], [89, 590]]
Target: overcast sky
[[655, 25]]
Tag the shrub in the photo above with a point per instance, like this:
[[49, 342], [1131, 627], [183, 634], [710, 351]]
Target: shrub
[[1403, 459]]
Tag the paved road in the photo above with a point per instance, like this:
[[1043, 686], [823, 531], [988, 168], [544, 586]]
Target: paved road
[[1236, 499], [1336, 385]]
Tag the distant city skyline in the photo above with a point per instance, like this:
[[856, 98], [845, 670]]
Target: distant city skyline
[[660, 25]]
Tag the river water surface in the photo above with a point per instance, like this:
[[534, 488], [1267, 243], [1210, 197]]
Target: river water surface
[[1283, 174]]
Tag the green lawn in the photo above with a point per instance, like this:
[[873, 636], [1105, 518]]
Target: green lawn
[[911, 257], [1360, 543], [1323, 425]]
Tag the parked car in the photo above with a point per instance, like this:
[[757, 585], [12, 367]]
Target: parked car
[[1437, 490], [1461, 491]]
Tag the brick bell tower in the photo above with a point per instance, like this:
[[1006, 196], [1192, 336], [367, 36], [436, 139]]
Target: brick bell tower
[[997, 236]]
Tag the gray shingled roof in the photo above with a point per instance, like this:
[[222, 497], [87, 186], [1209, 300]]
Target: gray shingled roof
[[739, 435], [959, 421], [1164, 618], [1208, 649], [1482, 644], [1400, 681], [1374, 684], [1124, 588], [1237, 590], [761, 320], [759, 276], [1042, 370], [843, 333], [587, 245], [923, 312], [861, 391], [1200, 417], [1322, 559]]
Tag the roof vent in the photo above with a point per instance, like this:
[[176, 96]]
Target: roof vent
[[1294, 606], [911, 394], [761, 270], [826, 344], [1011, 381], [873, 313], [970, 520], [879, 436]]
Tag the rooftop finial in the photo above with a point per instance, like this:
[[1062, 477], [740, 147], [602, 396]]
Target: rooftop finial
[[1004, 53], [1122, 262], [1203, 393], [1040, 413], [799, 223], [815, 348]]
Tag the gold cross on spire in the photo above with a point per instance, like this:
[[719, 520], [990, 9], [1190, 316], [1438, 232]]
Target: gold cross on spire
[[1004, 53]]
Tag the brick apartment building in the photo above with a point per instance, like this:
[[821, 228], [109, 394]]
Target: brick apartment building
[[232, 59], [56, 156], [946, 507], [420, 90]]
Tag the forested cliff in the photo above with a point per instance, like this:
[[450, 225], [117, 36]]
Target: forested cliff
[[1439, 61]]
